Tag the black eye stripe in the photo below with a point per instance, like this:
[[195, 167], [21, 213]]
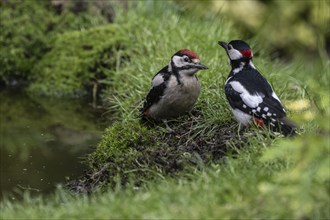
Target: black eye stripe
[[186, 67]]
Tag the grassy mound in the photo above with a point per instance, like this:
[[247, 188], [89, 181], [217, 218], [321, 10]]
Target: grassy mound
[[187, 175], [135, 153]]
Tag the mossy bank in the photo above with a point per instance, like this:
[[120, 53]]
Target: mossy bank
[[206, 169]]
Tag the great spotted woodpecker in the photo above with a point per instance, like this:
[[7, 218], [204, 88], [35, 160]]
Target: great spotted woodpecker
[[175, 88], [250, 95]]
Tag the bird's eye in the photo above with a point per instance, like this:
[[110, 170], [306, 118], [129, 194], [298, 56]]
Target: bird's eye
[[230, 47], [186, 59]]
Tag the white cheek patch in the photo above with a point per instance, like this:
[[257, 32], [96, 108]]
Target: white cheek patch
[[157, 80], [178, 61], [252, 101], [234, 54]]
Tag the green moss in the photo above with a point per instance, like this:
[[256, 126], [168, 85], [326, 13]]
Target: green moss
[[76, 60], [134, 153], [118, 140], [22, 37], [27, 31]]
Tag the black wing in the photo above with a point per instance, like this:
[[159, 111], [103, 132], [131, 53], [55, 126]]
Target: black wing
[[256, 85], [154, 96], [157, 92]]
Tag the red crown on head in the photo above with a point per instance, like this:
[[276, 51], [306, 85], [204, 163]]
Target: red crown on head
[[189, 53], [246, 53]]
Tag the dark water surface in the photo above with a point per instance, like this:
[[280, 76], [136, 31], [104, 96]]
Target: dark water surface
[[43, 141]]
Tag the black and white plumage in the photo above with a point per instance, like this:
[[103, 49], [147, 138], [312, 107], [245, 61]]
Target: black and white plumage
[[175, 88], [250, 95]]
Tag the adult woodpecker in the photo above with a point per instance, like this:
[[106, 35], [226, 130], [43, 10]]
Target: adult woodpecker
[[175, 88], [250, 95]]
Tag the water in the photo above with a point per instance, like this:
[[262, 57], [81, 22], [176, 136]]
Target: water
[[43, 142]]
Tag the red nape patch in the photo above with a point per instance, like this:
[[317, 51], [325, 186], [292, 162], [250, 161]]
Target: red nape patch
[[246, 53], [189, 53], [259, 122]]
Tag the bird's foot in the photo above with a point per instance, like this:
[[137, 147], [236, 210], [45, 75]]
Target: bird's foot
[[193, 116], [168, 128]]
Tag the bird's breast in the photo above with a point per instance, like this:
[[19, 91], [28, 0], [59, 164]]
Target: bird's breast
[[178, 98], [186, 91]]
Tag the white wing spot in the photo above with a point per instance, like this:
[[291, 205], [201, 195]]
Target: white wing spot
[[244, 106], [269, 114], [272, 124], [157, 80], [274, 114], [273, 120], [250, 100], [266, 109], [258, 109], [264, 116], [253, 110]]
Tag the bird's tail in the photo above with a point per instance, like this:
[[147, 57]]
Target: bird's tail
[[286, 127]]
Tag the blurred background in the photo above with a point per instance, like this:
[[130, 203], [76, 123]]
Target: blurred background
[[66, 48], [286, 29]]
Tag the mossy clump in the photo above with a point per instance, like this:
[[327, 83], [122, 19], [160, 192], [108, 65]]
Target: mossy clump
[[22, 38], [77, 60], [28, 29], [134, 153]]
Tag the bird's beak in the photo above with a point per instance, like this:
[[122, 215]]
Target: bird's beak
[[201, 66], [223, 44]]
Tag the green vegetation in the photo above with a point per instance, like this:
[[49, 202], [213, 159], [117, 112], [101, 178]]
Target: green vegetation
[[295, 27], [205, 170], [31, 29], [77, 61], [289, 180]]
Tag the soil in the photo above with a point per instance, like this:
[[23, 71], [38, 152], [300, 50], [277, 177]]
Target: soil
[[186, 147]]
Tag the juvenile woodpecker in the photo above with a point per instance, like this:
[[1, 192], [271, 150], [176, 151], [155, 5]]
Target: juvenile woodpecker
[[250, 95], [175, 88]]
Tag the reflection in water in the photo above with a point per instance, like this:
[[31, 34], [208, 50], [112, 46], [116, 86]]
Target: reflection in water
[[43, 141]]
